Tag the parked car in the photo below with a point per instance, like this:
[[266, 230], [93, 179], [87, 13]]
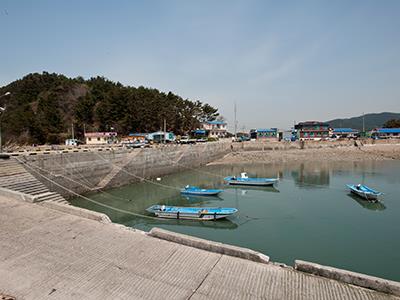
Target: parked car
[[201, 140], [186, 140]]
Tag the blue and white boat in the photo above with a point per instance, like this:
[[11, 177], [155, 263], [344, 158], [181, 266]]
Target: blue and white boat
[[364, 192], [244, 179], [194, 190], [191, 213]]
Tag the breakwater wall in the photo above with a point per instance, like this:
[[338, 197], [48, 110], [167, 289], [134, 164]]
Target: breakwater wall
[[83, 171]]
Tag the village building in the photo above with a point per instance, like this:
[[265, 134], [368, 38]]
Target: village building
[[312, 130], [215, 129], [134, 137], [344, 133], [161, 137], [264, 133], [98, 138], [385, 133], [199, 133]]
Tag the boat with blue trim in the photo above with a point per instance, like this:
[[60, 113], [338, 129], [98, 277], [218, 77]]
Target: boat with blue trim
[[364, 192], [244, 179], [194, 190], [191, 213]]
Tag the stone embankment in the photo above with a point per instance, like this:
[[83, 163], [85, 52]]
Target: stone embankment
[[324, 154]]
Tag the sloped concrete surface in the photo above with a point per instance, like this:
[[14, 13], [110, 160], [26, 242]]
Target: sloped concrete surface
[[48, 254], [14, 178]]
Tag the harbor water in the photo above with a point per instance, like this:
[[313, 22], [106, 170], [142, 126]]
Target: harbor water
[[309, 215]]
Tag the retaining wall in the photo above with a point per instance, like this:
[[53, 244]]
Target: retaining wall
[[84, 171], [111, 167]]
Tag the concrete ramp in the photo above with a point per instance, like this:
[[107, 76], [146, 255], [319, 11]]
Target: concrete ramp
[[14, 177]]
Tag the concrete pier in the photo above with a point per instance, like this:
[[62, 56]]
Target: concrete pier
[[49, 254]]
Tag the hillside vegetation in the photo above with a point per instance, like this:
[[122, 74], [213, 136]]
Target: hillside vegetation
[[42, 108], [371, 121]]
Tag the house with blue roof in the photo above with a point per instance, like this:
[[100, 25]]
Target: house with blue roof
[[264, 133], [344, 133], [385, 133], [215, 129]]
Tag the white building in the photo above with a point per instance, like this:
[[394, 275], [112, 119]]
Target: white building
[[98, 138], [215, 129]]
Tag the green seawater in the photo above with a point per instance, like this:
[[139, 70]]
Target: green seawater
[[309, 215]]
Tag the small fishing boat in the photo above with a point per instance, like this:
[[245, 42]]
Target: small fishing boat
[[191, 213], [364, 192], [194, 190], [244, 179]]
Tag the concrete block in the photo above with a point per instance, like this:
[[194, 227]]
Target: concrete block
[[77, 211], [362, 280], [16, 195], [209, 245]]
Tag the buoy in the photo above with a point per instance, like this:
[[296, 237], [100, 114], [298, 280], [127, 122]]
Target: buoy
[[158, 178]]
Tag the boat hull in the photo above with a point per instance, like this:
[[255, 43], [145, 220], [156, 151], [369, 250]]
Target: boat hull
[[249, 183], [365, 195], [200, 193], [185, 216], [191, 213]]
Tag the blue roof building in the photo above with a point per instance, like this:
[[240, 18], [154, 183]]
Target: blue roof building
[[264, 133], [345, 132], [385, 133], [216, 122], [215, 129]]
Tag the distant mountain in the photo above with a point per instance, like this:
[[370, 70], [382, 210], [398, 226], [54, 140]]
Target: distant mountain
[[371, 121]]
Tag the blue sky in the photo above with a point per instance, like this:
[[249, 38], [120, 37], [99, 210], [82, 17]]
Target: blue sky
[[280, 61]]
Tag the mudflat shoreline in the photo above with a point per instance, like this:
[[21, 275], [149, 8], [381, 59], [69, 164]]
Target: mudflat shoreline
[[367, 152]]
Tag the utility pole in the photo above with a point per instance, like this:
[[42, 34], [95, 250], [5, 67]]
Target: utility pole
[[235, 122], [165, 129], [363, 120], [73, 135]]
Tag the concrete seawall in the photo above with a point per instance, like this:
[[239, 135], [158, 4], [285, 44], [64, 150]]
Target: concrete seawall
[[111, 167], [85, 171]]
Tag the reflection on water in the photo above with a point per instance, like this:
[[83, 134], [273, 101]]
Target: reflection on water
[[221, 224], [245, 189], [308, 215], [311, 176], [201, 199], [367, 204]]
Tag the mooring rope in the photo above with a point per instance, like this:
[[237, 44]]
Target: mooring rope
[[31, 167], [137, 176], [89, 199]]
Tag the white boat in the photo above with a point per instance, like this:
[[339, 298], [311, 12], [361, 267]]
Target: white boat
[[244, 179]]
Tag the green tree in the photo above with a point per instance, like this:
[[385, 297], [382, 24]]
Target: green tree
[[393, 123]]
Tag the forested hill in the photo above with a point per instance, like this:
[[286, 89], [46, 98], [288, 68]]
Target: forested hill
[[42, 107], [371, 121]]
